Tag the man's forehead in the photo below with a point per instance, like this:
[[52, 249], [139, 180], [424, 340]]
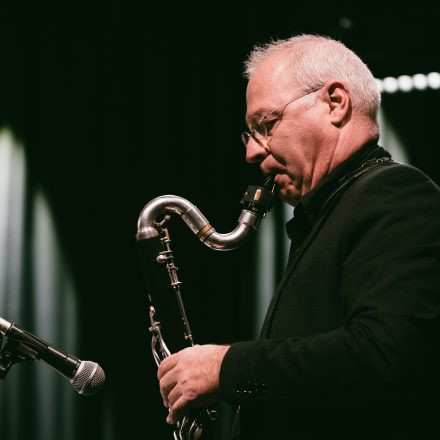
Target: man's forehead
[[268, 87]]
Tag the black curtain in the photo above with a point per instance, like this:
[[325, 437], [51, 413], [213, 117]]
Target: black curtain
[[116, 104]]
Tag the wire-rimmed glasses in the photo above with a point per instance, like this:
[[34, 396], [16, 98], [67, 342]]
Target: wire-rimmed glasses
[[260, 126]]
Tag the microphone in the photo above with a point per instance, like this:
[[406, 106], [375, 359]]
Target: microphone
[[86, 377]]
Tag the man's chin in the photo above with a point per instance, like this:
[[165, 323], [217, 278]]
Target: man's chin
[[289, 197]]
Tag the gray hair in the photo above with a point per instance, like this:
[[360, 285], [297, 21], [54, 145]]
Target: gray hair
[[313, 60]]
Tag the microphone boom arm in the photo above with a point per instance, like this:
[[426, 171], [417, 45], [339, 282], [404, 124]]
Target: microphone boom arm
[[86, 377], [12, 352]]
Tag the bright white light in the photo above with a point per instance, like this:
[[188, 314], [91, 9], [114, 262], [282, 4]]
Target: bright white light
[[379, 85], [420, 81], [434, 80], [12, 206], [405, 83], [390, 84]]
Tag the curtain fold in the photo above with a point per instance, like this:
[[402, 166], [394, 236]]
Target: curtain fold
[[36, 293]]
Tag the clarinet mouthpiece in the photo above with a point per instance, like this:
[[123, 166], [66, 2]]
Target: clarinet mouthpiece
[[259, 199]]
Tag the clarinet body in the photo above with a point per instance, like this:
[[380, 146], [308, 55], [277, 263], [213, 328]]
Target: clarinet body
[[157, 261]]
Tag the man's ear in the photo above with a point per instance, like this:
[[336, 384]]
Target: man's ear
[[339, 103]]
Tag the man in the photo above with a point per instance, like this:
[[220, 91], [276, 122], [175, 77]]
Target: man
[[349, 347]]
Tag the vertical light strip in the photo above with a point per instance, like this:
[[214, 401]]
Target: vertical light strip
[[53, 306], [288, 212], [55, 317], [108, 419], [390, 140], [12, 194], [265, 270], [268, 250], [12, 207], [68, 330]]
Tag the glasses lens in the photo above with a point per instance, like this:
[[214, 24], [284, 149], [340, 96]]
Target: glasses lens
[[245, 136], [259, 128]]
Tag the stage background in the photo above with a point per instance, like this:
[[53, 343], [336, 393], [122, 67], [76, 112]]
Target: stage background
[[106, 105]]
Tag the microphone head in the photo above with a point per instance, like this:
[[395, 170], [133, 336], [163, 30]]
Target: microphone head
[[88, 379]]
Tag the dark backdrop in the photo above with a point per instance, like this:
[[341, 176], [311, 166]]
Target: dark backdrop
[[117, 104]]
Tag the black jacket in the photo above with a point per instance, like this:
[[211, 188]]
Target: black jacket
[[350, 345]]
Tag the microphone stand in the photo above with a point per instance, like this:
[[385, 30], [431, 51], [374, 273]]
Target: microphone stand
[[12, 352]]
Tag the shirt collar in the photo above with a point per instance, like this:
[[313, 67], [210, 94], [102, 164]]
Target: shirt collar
[[311, 203]]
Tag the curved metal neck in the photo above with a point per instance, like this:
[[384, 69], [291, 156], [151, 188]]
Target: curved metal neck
[[257, 202]]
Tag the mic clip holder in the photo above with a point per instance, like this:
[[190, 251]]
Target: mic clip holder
[[13, 352]]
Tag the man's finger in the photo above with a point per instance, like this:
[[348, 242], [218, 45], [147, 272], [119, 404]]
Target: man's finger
[[166, 365], [166, 384], [178, 410], [173, 396]]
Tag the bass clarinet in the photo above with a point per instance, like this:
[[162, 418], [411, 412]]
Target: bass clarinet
[[157, 261]]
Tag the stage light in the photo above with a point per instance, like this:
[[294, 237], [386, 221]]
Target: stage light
[[407, 83], [420, 81], [390, 84], [433, 80], [379, 84]]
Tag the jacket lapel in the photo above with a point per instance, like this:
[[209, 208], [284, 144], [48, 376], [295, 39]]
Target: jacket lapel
[[292, 264], [327, 206]]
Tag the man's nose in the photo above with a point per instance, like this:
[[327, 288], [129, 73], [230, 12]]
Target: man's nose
[[255, 152]]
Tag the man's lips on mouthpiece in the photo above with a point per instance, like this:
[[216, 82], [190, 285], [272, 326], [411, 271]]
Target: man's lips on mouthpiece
[[277, 178]]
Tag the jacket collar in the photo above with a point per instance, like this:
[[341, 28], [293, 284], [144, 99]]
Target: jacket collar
[[310, 205]]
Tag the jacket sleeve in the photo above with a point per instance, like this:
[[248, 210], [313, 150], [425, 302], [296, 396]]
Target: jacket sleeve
[[390, 295]]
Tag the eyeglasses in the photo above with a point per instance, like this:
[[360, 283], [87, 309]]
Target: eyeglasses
[[260, 127]]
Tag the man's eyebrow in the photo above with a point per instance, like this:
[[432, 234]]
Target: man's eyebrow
[[259, 113], [266, 115]]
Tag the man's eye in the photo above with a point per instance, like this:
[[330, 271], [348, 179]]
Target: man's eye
[[269, 125], [260, 129], [263, 128]]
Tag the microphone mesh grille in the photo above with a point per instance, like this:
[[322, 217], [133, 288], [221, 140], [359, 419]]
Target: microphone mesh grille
[[89, 378]]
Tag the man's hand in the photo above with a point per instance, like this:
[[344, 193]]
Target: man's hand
[[190, 378]]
